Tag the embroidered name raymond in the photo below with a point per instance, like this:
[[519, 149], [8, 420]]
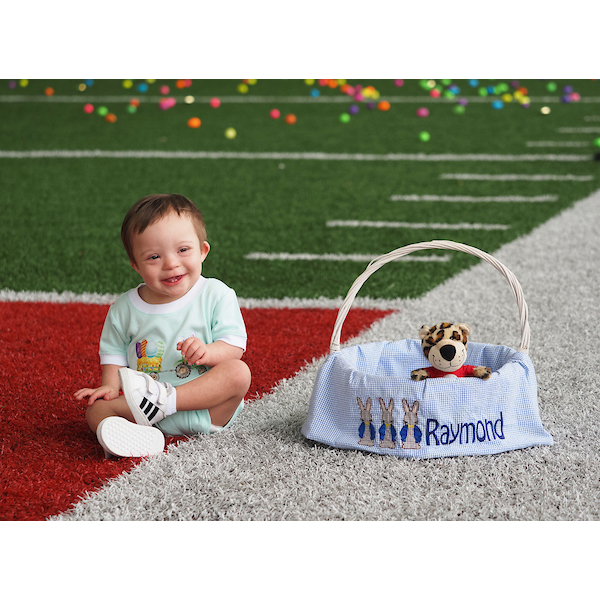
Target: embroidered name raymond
[[464, 433]]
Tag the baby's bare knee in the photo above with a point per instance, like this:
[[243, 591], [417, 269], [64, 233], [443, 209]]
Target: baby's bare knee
[[240, 375]]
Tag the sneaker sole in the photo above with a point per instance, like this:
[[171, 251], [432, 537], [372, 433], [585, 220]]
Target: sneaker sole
[[120, 437]]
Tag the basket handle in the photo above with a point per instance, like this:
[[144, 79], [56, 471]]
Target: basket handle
[[377, 263]]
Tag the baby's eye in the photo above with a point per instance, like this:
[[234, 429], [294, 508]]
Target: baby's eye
[[184, 249], [153, 257]]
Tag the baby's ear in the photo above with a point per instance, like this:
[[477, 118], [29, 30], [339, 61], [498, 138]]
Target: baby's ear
[[424, 331]]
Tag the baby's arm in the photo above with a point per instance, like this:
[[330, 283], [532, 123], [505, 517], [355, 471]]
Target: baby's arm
[[197, 352], [109, 390]]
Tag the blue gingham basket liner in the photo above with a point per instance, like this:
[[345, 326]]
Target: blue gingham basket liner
[[465, 416]]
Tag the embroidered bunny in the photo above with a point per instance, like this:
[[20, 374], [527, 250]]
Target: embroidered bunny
[[366, 429], [387, 431], [410, 433]]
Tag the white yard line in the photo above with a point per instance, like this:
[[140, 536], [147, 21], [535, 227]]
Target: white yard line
[[250, 303], [402, 225], [325, 156], [444, 198], [339, 257], [578, 130], [591, 118], [250, 99], [515, 177], [551, 144]]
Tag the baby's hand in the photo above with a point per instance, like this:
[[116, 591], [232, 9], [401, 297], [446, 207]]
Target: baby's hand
[[92, 394], [193, 350]]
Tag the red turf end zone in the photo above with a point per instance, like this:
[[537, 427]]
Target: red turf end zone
[[48, 456]]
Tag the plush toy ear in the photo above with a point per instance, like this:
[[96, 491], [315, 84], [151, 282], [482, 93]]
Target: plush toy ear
[[464, 328], [424, 331]]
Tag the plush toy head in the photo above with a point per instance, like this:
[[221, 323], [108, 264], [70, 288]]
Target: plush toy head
[[445, 345]]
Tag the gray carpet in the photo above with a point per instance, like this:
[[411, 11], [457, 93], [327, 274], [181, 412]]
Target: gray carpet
[[264, 469]]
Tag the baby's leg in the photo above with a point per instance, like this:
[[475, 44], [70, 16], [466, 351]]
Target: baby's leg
[[220, 390], [101, 409]]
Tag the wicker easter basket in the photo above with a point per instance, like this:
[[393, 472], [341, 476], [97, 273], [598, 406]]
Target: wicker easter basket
[[364, 398]]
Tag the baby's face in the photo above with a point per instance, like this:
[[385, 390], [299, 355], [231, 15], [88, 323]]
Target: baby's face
[[168, 256]]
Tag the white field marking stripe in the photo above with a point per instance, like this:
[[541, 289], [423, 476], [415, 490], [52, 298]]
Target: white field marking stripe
[[550, 144], [249, 99], [578, 130], [401, 225], [591, 118], [105, 299], [515, 177], [432, 198], [161, 154], [340, 257], [308, 99]]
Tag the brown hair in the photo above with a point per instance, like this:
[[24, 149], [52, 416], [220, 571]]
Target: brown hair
[[152, 208]]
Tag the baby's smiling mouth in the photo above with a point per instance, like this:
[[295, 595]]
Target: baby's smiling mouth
[[175, 279]]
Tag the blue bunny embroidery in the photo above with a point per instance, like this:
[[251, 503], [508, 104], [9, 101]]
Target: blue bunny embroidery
[[366, 431], [387, 431], [410, 434]]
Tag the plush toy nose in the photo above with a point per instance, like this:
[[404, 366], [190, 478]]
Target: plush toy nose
[[448, 352]]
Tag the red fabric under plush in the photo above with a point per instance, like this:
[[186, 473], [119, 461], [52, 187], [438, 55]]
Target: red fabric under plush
[[48, 456]]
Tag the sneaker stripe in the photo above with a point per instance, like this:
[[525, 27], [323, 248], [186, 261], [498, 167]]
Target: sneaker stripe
[[153, 414], [143, 404]]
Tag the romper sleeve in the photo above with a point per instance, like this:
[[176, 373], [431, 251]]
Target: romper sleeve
[[113, 344]]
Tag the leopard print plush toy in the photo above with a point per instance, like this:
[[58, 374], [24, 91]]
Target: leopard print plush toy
[[445, 347]]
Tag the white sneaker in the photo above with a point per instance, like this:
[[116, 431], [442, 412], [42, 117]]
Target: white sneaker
[[120, 437], [146, 398]]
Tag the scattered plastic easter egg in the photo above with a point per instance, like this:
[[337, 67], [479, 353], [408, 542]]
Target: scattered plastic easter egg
[[551, 87], [134, 102], [142, 87], [49, 91], [353, 109], [110, 118], [194, 122], [422, 112], [290, 119], [545, 110], [398, 82], [189, 99], [309, 81], [473, 82], [242, 88], [344, 118], [424, 136], [575, 97], [230, 133], [88, 108], [315, 93], [275, 113], [215, 102], [497, 104], [23, 82], [383, 105], [568, 89], [164, 89], [89, 82], [12, 84], [132, 109], [597, 142], [102, 111], [459, 109], [435, 93], [127, 83]]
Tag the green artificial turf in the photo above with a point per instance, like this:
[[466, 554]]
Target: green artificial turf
[[61, 216]]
